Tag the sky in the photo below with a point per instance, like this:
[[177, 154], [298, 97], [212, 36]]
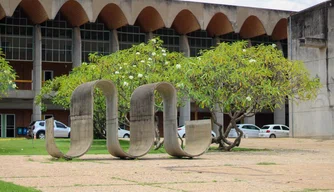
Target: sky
[[290, 5]]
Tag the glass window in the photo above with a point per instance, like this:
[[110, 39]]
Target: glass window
[[93, 37], [171, 40], [277, 128], [56, 39], [285, 128], [60, 125], [199, 40], [130, 35], [15, 32]]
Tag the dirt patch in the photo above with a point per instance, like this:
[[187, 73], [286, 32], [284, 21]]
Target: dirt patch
[[288, 165]]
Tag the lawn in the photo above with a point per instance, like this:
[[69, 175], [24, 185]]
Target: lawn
[[10, 187], [37, 146]]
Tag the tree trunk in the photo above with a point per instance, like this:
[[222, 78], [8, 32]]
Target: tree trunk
[[221, 139]]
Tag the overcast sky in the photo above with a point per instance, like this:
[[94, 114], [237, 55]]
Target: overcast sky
[[291, 5]]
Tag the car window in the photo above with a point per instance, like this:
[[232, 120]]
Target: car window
[[59, 125], [253, 127], [277, 128], [41, 124], [265, 127], [285, 128], [247, 127], [32, 123]]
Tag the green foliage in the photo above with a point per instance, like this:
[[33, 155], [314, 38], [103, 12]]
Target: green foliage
[[127, 69], [10, 187], [245, 79], [7, 75]]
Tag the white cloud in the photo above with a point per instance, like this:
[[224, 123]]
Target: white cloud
[[291, 5]]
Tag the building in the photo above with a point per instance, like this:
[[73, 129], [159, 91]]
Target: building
[[43, 39], [312, 40]]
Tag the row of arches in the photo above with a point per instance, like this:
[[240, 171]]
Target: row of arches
[[153, 15]]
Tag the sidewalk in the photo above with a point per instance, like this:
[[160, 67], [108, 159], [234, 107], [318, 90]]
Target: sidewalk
[[286, 165]]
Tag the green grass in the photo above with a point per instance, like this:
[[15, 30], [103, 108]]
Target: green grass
[[238, 149], [313, 190], [10, 187], [37, 147], [266, 163]]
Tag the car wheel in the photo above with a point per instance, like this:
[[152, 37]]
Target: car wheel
[[126, 136], [184, 136], [41, 135], [69, 135], [272, 136]]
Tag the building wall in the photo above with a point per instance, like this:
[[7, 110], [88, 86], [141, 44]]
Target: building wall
[[314, 118], [183, 18]]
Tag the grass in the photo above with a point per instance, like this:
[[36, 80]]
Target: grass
[[10, 187], [266, 163], [313, 190], [37, 147], [238, 149]]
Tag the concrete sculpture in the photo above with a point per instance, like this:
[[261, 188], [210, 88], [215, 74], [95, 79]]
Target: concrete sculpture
[[198, 137]]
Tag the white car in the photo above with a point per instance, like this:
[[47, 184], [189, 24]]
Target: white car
[[274, 130], [182, 132], [38, 128], [249, 130], [123, 133]]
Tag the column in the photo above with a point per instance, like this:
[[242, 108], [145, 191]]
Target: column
[[77, 48], [220, 119], [250, 120], [37, 71], [185, 111], [114, 43], [279, 115], [149, 35]]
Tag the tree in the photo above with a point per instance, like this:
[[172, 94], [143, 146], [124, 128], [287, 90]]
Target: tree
[[7, 76], [241, 81], [127, 69]]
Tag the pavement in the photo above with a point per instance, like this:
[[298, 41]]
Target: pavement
[[280, 164]]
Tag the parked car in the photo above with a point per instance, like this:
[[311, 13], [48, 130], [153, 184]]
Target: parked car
[[123, 133], [249, 130], [38, 128], [274, 130], [182, 132]]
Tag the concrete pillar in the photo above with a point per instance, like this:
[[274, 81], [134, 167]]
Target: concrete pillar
[[37, 71], [149, 36], [216, 40], [185, 111], [279, 115], [250, 120], [77, 48], [220, 119], [114, 43]]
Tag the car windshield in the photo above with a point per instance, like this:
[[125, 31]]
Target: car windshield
[[265, 127]]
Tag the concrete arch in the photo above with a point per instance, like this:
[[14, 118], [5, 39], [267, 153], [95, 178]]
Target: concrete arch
[[34, 10], [185, 22], [281, 30], [252, 27], [113, 16], [219, 25], [149, 19], [2, 12], [74, 12]]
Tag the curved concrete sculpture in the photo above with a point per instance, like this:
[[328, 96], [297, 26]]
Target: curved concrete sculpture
[[142, 113], [81, 111], [141, 122]]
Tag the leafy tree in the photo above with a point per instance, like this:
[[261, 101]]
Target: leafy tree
[[128, 69], [7, 76], [241, 81]]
